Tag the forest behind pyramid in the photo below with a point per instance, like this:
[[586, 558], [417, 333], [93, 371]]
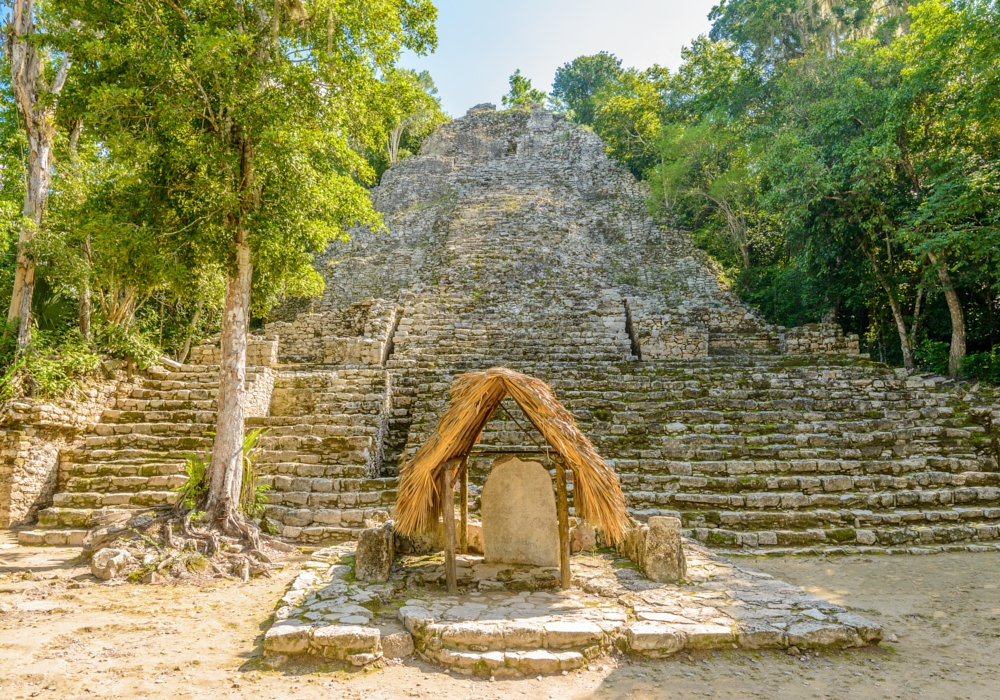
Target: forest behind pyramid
[[513, 240]]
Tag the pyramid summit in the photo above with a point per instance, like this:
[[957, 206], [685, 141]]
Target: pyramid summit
[[504, 215]]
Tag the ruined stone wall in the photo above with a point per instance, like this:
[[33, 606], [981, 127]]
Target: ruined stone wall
[[818, 339], [33, 434], [261, 352], [359, 334], [29, 467]]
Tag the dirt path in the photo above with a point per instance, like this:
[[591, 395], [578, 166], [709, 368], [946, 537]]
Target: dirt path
[[64, 636]]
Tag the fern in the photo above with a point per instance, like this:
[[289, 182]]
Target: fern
[[253, 496], [196, 486]]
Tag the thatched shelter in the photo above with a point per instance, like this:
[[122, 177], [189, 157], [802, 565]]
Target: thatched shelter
[[426, 481]]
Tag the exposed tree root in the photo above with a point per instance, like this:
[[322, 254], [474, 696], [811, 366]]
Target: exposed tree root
[[170, 544]]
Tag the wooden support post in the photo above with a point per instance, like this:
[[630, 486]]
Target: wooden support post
[[463, 496], [448, 515], [562, 510]]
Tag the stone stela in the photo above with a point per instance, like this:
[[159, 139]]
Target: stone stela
[[520, 524]]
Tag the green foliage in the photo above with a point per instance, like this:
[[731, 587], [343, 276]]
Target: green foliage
[[51, 366], [411, 112], [126, 342], [932, 356], [253, 497], [824, 153], [585, 83], [984, 366], [195, 488], [624, 107], [521, 93]]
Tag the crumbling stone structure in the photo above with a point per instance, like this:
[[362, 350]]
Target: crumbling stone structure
[[514, 240]]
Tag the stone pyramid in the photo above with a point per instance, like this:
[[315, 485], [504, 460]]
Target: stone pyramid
[[512, 239]]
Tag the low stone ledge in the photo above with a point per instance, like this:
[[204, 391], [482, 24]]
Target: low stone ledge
[[719, 606]]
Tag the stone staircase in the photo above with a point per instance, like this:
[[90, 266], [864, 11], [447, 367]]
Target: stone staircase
[[320, 455], [797, 454]]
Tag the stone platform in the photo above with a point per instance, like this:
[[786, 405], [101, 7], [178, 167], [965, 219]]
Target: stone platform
[[490, 630]]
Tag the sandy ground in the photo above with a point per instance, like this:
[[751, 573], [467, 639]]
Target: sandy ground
[[62, 635]]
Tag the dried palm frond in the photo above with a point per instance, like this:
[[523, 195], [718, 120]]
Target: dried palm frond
[[597, 493]]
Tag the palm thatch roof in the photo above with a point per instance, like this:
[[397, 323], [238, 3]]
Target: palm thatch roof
[[597, 493]]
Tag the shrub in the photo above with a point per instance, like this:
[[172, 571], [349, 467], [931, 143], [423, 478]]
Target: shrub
[[127, 343], [984, 366], [51, 366], [932, 356]]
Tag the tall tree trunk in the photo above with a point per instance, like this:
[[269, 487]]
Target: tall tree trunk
[[226, 467], [897, 313], [38, 113], [957, 350], [395, 136], [182, 356], [84, 309]]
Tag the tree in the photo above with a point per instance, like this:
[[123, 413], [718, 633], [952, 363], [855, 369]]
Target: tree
[[242, 116], [630, 119], [585, 83], [36, 87], [410, 111], [775, 31], [521, 93]]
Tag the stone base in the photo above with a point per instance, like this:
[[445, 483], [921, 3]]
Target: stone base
[[500, 632]]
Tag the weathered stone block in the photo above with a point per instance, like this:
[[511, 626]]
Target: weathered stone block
[[657, 549], [341, 641], [109, 563], [664, 555], [373, 560], [287, 638], [398, 645], [519, 514], [655, 638], [562, 635], [808, 635], [582, 537]]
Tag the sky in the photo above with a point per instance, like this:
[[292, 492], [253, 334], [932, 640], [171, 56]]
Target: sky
[[480, 42]]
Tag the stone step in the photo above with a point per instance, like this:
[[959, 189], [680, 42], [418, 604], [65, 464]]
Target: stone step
[[313, 471], [881, 536], [811, 521], [52, 538], [163, 429], [128, 456], [145, 393], [125, 469], [323, 524], [314, 500], [59, 518], [826, 483], [147, 441], [129, 404], [337, 455], [796, 500], [123, 484], [315, 423], [126, 499], [154, 416], [329, 509]]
